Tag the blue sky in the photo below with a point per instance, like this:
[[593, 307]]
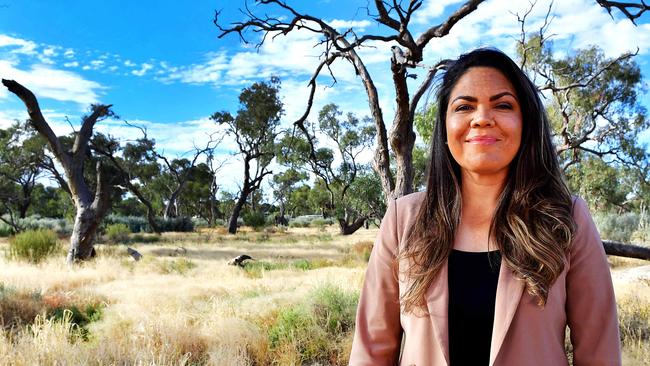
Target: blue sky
[[162, 66]]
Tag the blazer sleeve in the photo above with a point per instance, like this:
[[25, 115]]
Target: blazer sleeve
[[591, 305], [377, 335]]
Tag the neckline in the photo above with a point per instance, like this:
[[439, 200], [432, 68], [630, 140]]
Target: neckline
[[468, 252]]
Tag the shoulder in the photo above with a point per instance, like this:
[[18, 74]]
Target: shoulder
[[586, 235], [411, 201], [405, 210], [580, 211]]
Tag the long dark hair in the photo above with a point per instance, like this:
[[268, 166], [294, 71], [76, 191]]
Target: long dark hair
[[532, 224]]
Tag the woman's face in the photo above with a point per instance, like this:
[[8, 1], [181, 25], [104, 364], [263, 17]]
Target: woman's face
[[483, 122]]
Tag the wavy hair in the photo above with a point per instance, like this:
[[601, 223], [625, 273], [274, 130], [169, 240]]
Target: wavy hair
[[532, 225]]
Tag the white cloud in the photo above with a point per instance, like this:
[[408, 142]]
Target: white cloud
[[71, 64], [129, 63], [143, 69], [69, 53], [358, 25], [47, 82], [97, 64], [208, 72], [49, 51], [432, 10], [24, 46]]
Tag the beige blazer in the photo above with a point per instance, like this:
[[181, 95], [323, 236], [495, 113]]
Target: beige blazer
[[582, 297]]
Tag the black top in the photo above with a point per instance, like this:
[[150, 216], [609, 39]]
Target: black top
[[472, 281]]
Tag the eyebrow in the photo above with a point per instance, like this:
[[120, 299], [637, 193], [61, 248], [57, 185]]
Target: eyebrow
[[492, 98]]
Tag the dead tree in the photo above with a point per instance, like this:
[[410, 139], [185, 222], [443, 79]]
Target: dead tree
[[407, 53], [90, 207]]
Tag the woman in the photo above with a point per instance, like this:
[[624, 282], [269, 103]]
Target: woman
[[495, 259]]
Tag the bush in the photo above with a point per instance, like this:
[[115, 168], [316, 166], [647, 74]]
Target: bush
[[178, 224], [118, 233], [299, 222], [317, 331], [33, 245], [180, 266], [219, 222], [335, 309], [617, 227], [255, 219], [35, 222], [5, 230], [199, 222], [136, 224], [321, 223]]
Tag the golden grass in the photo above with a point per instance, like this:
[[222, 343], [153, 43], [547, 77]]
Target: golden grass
[[183, 305], [177, 307]]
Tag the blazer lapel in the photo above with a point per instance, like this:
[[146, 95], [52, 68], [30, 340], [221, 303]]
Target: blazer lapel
[[509, 291], [437, 298]]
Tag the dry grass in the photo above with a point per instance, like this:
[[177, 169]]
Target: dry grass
[[183, 305], [177, 306]]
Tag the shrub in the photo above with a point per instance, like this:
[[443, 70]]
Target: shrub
[[299, 222], [178, 224], [320, 223], [118, 233], [617, 227], [199, 222], [136, 224], [255, 269], [145, 238], [5, 230], [219, 222], [316, 331], [255, 219], [33, 245], [180, 266], [335, 309]]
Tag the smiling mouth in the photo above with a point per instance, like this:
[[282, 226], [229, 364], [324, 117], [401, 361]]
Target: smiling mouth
[[483, 140]]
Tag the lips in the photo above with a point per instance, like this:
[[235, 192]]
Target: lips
[[483, 140]]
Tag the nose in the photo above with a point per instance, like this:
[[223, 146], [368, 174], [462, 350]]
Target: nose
[[482, 118]]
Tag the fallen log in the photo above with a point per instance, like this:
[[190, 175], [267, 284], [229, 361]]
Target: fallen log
[[626, 250]]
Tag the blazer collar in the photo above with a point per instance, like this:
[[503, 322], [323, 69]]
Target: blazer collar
[[509, 291]]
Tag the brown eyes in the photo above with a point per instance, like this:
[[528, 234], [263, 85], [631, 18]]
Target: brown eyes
[[469, 107]]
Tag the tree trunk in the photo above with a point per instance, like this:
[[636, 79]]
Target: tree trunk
[[232, 224], [626, 250], [348, 229], [83, 234]]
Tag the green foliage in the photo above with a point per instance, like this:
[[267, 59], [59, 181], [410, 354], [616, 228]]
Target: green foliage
[[256, 269], [424, 122], [118, 233], [177, 224], [255, 219], [142, 238], [179, 266], [320, 222], [617, 227], [5, 230], [315, 330], [80, 316], [136, 224], [33, 245], [598, 183], [299, 222]]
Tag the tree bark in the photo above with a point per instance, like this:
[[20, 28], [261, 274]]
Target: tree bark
[[626, 250], [90, 209], [236, 210], [349, 229]]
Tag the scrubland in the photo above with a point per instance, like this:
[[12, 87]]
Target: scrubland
[[183, 305]]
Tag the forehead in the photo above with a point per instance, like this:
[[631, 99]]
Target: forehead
[[481, 81]]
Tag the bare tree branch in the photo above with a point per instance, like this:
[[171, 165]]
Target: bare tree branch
[[624, 7]]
